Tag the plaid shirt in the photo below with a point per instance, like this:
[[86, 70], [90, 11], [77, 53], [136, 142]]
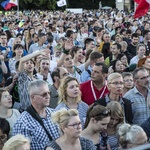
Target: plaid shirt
[[32, 129], [140, 109]]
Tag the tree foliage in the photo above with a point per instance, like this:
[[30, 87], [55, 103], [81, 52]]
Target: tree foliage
[[52, 4]]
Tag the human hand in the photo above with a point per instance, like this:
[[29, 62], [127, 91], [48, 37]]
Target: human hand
[[1, 58]]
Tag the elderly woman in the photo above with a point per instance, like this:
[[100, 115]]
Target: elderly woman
[[70, 125], [96, 122], [115, 85], [70, 97], [131, 136], [18, 142]]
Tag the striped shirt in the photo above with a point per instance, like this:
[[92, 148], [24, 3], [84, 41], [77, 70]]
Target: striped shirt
[[82, 109], [140, 109]]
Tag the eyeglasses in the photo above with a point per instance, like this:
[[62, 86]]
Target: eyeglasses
[[76, 125], [128, 80], [7, 96], [43, 94], [144, 78], [117, 83]]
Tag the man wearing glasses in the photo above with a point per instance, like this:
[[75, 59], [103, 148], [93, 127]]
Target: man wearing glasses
[[35, 123], [139, 96]]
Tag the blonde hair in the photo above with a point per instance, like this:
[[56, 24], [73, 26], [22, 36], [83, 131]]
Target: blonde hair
[[62, 116], [112, 76], [16, 141], [62, 91], [116, 111]]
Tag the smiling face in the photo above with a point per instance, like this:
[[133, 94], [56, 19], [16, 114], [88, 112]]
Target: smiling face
[[44, 65]]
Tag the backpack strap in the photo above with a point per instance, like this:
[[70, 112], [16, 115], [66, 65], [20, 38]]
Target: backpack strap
[[36, 116]]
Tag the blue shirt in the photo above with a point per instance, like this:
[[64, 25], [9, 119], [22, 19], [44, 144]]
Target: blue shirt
[[140, 109], [85, 76]]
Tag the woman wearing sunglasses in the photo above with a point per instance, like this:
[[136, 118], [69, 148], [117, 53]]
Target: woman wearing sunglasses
[[96, 123], [70, 126], [70, 97]]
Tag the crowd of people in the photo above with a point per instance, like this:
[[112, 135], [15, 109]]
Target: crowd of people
[[74, 81]]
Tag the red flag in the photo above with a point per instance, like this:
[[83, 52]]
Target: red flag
[[142, 8]]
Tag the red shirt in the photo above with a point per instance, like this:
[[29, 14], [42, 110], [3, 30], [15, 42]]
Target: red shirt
[[88, 94]]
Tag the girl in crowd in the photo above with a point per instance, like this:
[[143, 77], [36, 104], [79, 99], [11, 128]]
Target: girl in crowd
[[28, 39], [25, 76], [140, 50], [82, 35], [128, 82], [70, 97], [4, 131], [77, 55], [123, 58], [115, 87], [131, 136], [116, 118], [70, 126], [117, 66], [44, 70], [6, 111], [144, 62], [17, 54], [18, 142], [96, 122]]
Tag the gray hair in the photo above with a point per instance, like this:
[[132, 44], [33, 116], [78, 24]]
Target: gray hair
[[34, 86], [128, 133]]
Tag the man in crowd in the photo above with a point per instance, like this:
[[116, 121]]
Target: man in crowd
[[35, 123]]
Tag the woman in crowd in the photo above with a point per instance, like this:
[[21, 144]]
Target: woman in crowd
[[28, 39], [144, 62], [128, 82], [117, 66], [115, 85], [18, 142], [77, 55], [6, 111], [70, 97], [116, 118], [123, 58], [131, 136], [44, 70], [140, 50], [97, 119], [82, 35], [17, 54], [25, 76], [4, 131], [70, 126]]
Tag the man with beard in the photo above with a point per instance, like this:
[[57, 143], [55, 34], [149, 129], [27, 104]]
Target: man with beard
[[95, 88], [132, 46], [138, 96]]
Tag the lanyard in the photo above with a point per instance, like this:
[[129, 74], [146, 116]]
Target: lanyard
[[93, 92]]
